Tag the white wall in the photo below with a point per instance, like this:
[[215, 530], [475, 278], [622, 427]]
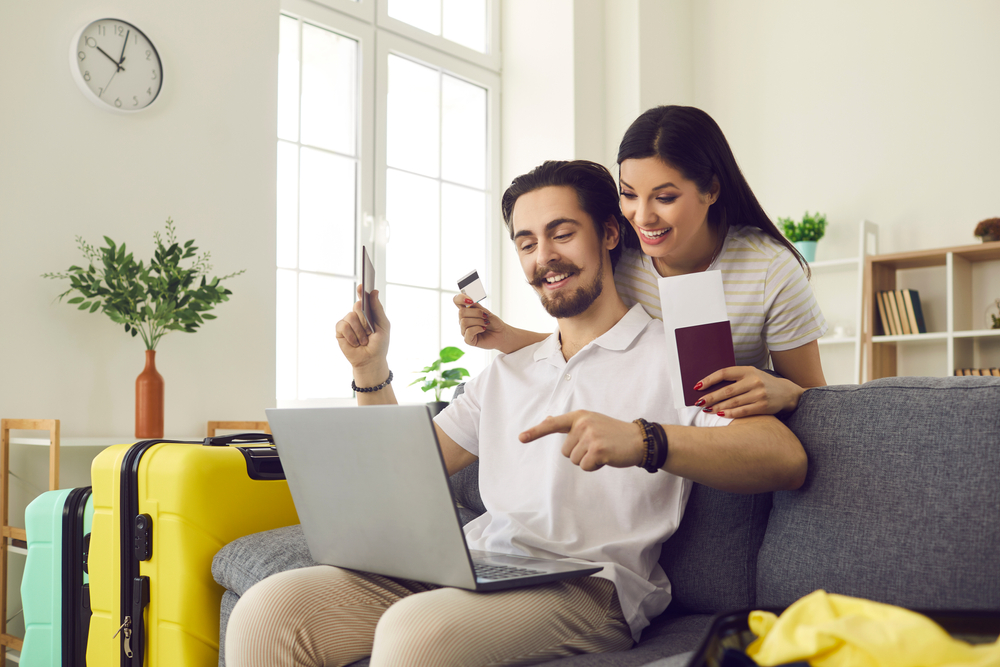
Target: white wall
[[883, 110], [203, 154], [879, 111]]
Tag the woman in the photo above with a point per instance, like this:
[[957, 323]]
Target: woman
[[690, 209]]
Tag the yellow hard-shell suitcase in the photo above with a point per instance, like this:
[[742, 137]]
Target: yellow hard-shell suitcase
[[162, 509]]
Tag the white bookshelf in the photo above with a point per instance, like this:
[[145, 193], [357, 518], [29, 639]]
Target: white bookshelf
[[839, 288]]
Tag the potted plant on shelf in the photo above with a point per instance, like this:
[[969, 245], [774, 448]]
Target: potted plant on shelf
[[988, 230], [804, 235], [438, 379], [149, 300]]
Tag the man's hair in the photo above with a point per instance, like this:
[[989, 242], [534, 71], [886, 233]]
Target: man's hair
[[596, 192]]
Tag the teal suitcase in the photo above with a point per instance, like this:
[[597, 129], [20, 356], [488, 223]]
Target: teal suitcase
[[54, 589]]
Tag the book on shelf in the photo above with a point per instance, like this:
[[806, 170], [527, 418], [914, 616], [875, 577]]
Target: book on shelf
[[883, 315], [978, 371], [914, 312], [900, 312], [890, 303], [904, 321]]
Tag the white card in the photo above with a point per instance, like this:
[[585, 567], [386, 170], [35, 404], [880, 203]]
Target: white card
[[688, 300]]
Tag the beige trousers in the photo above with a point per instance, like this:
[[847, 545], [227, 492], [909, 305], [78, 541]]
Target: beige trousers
[[331, 617]]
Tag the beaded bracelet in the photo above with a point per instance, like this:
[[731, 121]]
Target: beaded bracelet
[[364, 390], [649, 441]]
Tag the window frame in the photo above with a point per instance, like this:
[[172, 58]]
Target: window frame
[[378, 35]]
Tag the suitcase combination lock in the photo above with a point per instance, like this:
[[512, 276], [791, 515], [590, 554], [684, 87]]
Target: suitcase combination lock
[[143, 537]]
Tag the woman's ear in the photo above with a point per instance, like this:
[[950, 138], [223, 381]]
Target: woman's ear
[[714, 190]]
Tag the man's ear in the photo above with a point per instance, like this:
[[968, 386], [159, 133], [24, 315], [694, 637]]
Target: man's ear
[[612, 233]]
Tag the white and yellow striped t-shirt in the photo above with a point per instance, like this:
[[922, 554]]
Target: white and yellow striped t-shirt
[[770, 303]]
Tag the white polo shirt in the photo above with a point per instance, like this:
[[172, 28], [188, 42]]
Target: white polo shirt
[[538, 503]]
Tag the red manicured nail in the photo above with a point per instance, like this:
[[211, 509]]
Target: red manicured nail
[[707, 410], [721, 413], [700, 401], [468, 300], [697, 386]]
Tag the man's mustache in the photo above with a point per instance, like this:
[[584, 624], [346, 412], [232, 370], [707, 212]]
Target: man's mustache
[[559, 267]]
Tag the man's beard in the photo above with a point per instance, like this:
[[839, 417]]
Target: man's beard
[[561, 304]]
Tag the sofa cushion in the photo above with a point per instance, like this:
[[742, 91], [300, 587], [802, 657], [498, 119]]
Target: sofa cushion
[[711, 560], [900, 499]]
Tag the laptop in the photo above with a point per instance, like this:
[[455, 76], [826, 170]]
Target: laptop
[[372, 494]]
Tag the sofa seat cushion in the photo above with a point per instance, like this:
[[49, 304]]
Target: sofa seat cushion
[[900, 503]]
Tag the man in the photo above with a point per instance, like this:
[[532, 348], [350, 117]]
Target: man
[[564, 486]]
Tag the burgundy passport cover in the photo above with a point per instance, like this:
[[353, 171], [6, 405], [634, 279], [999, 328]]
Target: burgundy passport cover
[[702, 350]]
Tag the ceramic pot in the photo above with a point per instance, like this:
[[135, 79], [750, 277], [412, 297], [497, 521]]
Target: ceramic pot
[[436, 407], [989, 238], [808, 249], [149, 400]]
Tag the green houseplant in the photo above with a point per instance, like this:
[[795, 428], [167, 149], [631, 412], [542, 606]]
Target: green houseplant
[[437, 379], [805, 234], [148, 300]]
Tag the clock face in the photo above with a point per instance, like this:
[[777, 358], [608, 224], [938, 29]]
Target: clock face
[[115, 65]]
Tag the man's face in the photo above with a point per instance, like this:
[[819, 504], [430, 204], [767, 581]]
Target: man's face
[[559, 249]]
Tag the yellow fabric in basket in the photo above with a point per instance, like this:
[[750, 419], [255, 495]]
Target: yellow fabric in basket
[[839, 631]]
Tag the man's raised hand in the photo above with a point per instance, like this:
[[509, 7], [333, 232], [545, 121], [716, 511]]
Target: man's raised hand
[[364, 344], [593, 440]]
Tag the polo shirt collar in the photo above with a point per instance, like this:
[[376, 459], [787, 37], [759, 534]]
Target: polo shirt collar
[[619, 337]]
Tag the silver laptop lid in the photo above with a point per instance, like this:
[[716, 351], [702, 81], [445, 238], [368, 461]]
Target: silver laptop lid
[[372, 492]]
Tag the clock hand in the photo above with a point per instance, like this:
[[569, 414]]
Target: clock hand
[[122, 58], [117, 63], [109, 82]]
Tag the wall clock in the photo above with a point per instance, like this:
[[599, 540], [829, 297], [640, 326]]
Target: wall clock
[[115, 65]]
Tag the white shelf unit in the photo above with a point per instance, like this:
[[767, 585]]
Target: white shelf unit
[[961, 342], [844, 309]]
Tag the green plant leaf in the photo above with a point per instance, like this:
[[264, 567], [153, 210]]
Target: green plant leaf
[[75, 299], [455, 374], [450, 354]]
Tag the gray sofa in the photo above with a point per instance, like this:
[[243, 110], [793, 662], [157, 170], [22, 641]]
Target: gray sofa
[[901, 504]]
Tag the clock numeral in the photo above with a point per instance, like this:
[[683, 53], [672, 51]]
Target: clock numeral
[[149, 91], [154, 74], [119, 30], [148, 54], [100, 91], [118, 101], [81, 55], [91, 42], [86, 76], [135, 101], [102, 30]]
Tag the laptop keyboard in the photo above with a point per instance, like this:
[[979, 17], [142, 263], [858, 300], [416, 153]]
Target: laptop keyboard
[[494, 572]]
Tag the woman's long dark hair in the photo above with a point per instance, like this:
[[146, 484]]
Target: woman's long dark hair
[[689, 140]]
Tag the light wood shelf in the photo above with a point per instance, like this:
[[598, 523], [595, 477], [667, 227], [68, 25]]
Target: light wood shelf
[[959, 335]]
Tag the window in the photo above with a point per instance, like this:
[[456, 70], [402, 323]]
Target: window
[[407, 168]]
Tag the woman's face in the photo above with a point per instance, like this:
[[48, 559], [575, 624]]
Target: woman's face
[[668, 213]]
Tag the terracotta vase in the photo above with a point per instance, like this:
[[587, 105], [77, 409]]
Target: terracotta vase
[[149, 400]]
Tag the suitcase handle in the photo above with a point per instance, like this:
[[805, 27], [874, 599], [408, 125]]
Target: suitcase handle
[[224, 440]]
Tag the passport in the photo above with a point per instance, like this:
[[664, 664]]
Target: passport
[[703, 349]]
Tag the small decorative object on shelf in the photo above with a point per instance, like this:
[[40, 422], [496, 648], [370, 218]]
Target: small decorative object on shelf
[[438, 379], [804, 235], [149, 300], [978, 371], [988, 230], [994, 314]]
